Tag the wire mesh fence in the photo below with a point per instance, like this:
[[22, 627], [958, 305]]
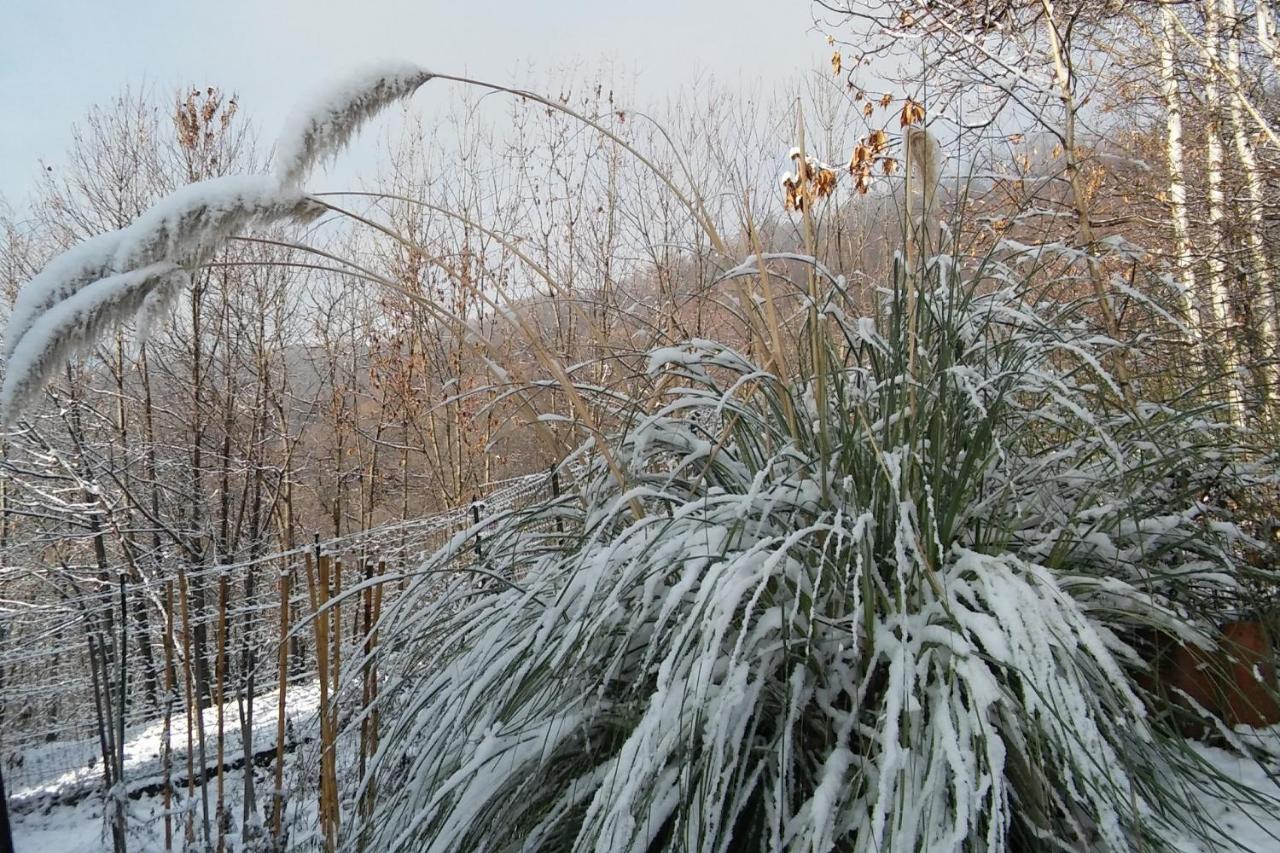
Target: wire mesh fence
[[134, 685]]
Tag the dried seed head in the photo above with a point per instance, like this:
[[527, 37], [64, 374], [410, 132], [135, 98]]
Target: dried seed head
[[322, 130]]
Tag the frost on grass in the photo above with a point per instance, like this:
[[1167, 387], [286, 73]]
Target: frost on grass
[[917, 640], [321, 129]]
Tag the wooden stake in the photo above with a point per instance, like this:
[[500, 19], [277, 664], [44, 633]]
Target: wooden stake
[[277, 808], [318, 590], [166, 745], [220, 677]]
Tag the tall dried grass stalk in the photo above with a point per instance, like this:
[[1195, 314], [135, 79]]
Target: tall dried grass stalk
[[323, 128], [105, 281]]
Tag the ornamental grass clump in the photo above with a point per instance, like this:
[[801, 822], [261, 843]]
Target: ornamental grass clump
[[868, 583], [887, 601]]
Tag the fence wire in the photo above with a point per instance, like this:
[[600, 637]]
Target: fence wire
[[61, 669]]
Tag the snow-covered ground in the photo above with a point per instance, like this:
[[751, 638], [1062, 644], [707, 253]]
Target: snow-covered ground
[[46, 823], [62, 809], [1249, 827]]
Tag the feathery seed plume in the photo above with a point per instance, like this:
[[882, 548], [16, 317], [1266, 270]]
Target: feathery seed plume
[[62, 277], [323, 129], [72, 326]]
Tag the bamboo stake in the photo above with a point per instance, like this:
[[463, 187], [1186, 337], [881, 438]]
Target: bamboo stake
[[245, 695], [194, 715], [188, 691], [220, 673], [335, 669], [102, 701], [123, 657], [166, 745], [373, 692], [357, 614], [318, 590], [369, 720], [277, 808], [336, 665], [366, 603]]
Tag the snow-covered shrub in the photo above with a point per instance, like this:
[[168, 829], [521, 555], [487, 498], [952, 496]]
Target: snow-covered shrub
[[879, 604]]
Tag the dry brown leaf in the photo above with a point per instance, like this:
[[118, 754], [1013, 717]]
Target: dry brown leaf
[[792, 199], [859, 159], [825, 183], [912, 113]]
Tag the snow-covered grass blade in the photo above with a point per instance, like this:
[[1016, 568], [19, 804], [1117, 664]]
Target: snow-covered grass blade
[[901, 619]]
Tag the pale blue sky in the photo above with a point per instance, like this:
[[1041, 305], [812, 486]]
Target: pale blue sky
[[58, 57]]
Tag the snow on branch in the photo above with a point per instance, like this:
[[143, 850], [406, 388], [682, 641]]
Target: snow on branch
[[321, 130]]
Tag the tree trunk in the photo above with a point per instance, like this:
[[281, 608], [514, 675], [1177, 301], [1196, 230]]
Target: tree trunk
[[1177, 181], [1260, 291], [1064, 80], [1219, 296]]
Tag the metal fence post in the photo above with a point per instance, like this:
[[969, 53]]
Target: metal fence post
[[6, 834], [475, 517]]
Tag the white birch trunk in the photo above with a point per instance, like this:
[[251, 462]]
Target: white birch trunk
[[1219, 296], [1261, 293], [1265, 22], [1177, 181]]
